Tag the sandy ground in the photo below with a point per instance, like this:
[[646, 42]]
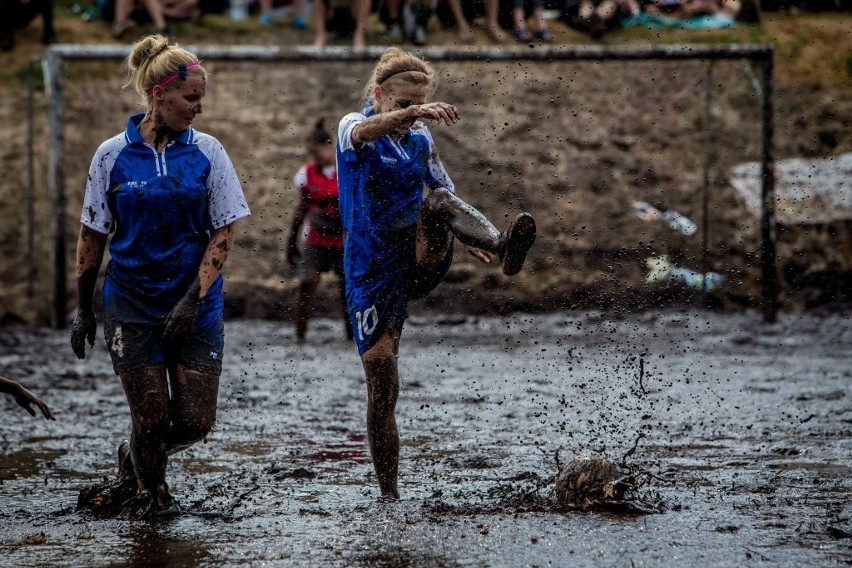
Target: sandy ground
[[574, 144], [746, 428]]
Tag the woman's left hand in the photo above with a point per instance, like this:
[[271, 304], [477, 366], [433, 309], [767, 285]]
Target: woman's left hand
[[480, 255]]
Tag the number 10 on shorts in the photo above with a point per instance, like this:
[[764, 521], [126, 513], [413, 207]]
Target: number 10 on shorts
[[367, 321]]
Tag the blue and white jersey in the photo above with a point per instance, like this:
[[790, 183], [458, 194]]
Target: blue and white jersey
[[161, 209], [381, 192]]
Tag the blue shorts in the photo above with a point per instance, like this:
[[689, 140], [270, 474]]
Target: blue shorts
[[381, 303], [134, 335]]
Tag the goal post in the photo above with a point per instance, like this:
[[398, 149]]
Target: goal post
[[762, 55]]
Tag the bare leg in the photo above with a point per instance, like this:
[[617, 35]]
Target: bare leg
[[155, 10], [148, 397], [361, 9], [380, 368], [179, 9], [320, 37], [462, 25], [444, 211], [192, 407], [305, 304], [495, 32]]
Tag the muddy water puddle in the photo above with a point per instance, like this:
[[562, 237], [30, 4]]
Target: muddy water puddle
[[744, 430]]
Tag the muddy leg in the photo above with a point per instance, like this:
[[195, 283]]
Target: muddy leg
[[382, 392], [193, 407], [443, 210], [148, 397], [305, 304]]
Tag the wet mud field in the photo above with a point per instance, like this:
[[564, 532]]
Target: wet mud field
[[743, 431]]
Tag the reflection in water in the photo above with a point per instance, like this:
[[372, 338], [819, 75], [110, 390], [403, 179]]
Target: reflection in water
[[151, 545], [26, 462]]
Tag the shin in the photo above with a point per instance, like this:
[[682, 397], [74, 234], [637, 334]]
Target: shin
[[380, 368], [148, 397], [193, 407]]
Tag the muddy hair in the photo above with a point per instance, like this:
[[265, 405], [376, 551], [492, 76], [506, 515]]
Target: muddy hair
[[398, 66], [152, 59], [319, 134]]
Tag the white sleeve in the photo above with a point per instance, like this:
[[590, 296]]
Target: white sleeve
[[300, 180], [227, 202], [344, 134], [437, 175], [96, 214]]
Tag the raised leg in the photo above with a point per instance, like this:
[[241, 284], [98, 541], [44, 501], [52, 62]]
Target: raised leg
[[444, 212], [380, 367]]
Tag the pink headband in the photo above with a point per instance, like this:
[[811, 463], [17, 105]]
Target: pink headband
[[181, 72]]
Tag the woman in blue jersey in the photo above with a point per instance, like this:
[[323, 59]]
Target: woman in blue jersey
[[398, 241], [169, 196]]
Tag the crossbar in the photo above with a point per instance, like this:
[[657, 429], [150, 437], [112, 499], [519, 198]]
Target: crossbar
[[763, 54]]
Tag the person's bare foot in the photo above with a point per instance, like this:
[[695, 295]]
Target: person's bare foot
[[465, 33], [320, 40], [496, 33], [358, 41]]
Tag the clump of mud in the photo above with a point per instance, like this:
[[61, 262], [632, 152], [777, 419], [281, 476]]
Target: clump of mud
[[588, 481], [591, 482], [113, 499]]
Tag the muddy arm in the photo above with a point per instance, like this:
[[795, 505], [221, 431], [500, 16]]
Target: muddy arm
[[385, 123], [24, 398], [90, 254], [221, 244], [180, 322]]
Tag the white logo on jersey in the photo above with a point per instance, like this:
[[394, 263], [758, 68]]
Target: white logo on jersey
[[367, 322]]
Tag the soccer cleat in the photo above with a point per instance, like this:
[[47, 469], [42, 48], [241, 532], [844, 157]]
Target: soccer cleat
[[515, 243]]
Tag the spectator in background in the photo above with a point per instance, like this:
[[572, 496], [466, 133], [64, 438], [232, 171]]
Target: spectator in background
[[330, 10], [297, 7], [323, 245], [17, 14], [686, 9], [464, 12], [598, 16], [408, 19], [522, 32], [130, 12], [25, 398]]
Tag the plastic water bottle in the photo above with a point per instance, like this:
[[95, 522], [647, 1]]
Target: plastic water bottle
[[646, 211], [238, 10], [679, 223]]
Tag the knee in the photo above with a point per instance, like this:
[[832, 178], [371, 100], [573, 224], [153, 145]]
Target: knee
[[437, 200], [195, 428]]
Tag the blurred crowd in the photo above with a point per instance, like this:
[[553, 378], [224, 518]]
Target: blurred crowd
[[504, 21]]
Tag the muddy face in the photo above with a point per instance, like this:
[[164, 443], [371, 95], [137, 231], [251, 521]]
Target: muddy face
[[174, 109]]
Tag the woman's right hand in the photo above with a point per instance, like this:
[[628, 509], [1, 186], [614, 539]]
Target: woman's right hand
[[438, 111], [84, 328]]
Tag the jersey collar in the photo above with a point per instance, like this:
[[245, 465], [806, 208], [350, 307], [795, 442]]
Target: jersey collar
[[133, 136]]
